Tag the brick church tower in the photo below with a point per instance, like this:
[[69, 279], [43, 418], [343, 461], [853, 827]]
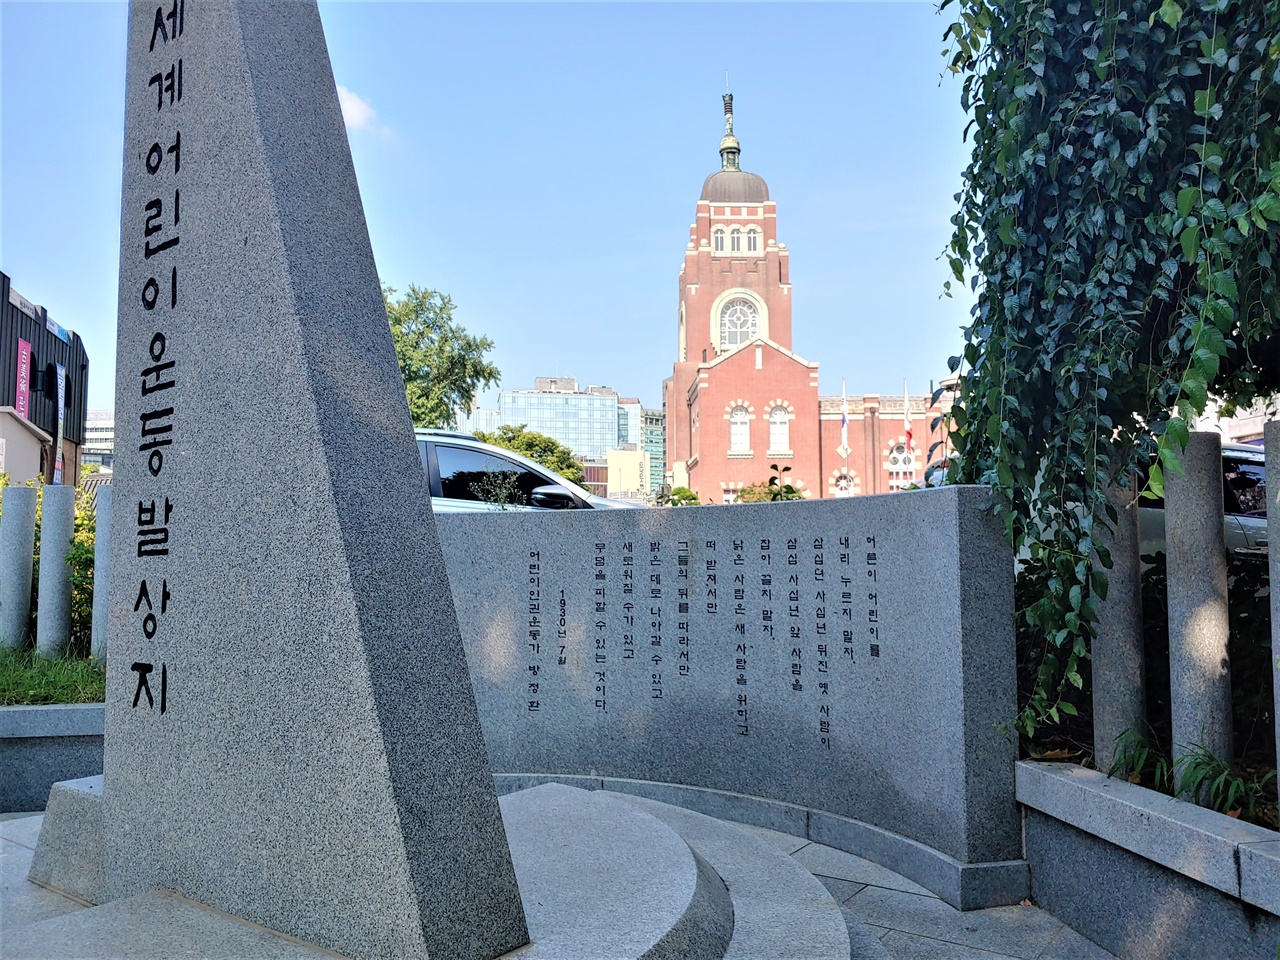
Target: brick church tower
[[738, 399]]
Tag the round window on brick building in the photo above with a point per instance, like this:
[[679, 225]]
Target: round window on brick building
[[739, 430], [739, 320], [902, 467]]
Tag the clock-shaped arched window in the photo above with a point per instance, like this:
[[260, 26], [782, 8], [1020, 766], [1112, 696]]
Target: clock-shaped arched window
[[739, 321]]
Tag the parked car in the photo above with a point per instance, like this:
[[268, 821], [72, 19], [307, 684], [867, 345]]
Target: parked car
[[1244, 502], [467, 475]]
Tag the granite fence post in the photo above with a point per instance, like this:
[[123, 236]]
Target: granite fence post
[[101, 572], [53, 603], [17, 548], [1199, 671], [1119, 677], [1271, 438]]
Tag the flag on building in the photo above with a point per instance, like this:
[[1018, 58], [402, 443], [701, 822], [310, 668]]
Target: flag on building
[[844, 423], [906, 414]]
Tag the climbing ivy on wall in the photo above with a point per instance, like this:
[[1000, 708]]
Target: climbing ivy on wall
[[1120, 223]]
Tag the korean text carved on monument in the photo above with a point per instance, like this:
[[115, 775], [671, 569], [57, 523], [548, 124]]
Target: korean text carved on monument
[[534, 635], [655, 619], [601, 643], [682, 609], [628, 601], [160, 221], [741, 648], [873, 596]]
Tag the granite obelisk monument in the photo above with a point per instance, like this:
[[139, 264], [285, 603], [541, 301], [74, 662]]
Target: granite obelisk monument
[[291, 733]]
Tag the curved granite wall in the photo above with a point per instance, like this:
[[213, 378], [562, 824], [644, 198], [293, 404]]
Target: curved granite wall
[[847, 657]]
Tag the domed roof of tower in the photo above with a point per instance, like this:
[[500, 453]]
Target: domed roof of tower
[[732, 184], [735, 186]]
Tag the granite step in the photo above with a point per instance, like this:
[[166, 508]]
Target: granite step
[[780, 910], [157, 924], [602, 878]]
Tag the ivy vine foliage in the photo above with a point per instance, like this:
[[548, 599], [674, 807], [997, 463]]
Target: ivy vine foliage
[[1120, 223]]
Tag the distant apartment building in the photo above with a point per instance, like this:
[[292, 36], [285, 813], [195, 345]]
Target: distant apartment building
[[596, 473], [44, 375], [99, 438], [629, 476], [655, 444], [589, 422]]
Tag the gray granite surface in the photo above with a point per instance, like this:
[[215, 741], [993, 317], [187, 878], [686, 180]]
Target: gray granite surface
[[310, 757], [57, 527], [70, 853], [602, 878], [101, 572], [1135, 908], [32, 765], [1260, 874], [1119, 678], [779, 910], [23, 903], [55, 720], [949, 934], [1195, 546], [17, 544], [151, 925], [851, 656], [1201, 844]]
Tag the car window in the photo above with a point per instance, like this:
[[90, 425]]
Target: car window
[[1244, 488], [476, 475]]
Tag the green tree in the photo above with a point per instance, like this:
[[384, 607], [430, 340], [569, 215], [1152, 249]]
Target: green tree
[[1120, 219], [442, 365], [768, 491], [549, 452], [678, 497]]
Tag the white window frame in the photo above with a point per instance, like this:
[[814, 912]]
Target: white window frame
[[779, 421], [740, 431]]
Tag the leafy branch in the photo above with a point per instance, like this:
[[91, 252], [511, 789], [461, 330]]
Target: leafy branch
[[1118, 219]]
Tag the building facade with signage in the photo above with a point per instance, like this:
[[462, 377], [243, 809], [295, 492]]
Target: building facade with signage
[[44, 376], [739, 399]]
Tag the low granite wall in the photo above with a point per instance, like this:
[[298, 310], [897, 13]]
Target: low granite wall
[[852, 660], [41, 745], [1192, 883]]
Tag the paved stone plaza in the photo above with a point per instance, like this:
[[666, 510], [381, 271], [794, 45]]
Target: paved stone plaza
[[910, 922]]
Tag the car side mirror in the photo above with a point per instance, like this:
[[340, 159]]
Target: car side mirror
[[553, 497]]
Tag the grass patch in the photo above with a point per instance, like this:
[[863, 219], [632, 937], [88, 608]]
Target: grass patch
[[29, 680]]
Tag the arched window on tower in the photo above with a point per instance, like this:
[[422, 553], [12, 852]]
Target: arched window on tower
[[717, 241], [735, 240], [779, 430], [739, 320], [753, 241], [739, 430]]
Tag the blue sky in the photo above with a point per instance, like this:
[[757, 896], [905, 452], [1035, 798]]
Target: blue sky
[[541, 163]]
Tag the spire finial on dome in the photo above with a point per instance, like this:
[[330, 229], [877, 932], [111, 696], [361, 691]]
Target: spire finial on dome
[[729, 149]]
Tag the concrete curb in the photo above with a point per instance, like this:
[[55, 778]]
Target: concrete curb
[[1239, 859]]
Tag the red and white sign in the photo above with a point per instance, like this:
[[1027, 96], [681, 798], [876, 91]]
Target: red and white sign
[[22, 402]]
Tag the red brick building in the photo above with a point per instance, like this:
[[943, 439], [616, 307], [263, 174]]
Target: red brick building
[[738, 399]]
